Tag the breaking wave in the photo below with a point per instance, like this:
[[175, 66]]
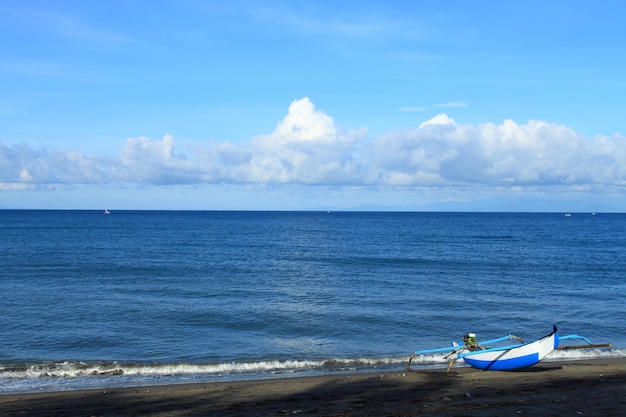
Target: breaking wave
[[70, 369], [82, 374]]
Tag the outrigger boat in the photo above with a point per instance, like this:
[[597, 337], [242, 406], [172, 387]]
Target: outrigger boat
[[504, 358]]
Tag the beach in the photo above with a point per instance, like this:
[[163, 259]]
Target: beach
[[590, 387]]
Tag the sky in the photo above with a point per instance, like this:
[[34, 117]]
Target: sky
[[313, 105]]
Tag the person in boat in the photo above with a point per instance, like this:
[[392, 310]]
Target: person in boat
[[470, 342]]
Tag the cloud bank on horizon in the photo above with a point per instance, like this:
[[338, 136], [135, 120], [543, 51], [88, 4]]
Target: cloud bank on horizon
[[306, 148]]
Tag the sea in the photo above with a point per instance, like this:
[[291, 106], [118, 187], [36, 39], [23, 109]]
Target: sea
[[139, 298]]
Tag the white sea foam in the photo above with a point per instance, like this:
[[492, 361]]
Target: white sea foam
[[65, 375], [70, 369], [579, 354], [76, 375]]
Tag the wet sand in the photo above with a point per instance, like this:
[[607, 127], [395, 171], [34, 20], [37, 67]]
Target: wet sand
[[591, 388]]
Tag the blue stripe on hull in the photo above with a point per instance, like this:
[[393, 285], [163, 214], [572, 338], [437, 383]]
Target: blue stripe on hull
[[504, 364]]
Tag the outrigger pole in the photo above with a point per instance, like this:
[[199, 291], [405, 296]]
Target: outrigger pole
[[588, 346]]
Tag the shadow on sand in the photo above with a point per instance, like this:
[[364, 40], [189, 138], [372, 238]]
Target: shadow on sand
[[543, 390]]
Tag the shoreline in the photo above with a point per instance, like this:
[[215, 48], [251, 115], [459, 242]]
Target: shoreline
[[583, 387]]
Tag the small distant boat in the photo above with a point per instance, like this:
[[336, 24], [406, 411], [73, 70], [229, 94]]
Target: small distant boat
[[106, 211], [568, 214], [504, 358]]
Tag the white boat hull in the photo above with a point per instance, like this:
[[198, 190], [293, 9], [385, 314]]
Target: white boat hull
[[512, 357]]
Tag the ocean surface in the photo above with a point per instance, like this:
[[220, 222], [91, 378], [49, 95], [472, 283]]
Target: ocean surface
[[155, 297]]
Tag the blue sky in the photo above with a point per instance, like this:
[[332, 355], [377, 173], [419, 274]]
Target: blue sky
[[306, 105]]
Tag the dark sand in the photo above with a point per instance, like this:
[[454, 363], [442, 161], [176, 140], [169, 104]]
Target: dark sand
[[580, 388]]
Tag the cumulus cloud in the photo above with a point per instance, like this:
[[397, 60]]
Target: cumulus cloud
[[306, 147], [22, 167], [155, 162], [537, 153]]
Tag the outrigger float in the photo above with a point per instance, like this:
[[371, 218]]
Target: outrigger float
[[504, 358]]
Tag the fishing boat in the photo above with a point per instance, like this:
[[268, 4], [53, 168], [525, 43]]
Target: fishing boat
[[504, 358]]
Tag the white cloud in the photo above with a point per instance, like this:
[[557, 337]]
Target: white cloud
[[306, 147], [304, 123], [412, 109], [440, 119], [156, 162], [453, 104], [532, 154], [38, 168]]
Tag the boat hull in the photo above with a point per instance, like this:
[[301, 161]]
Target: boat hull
[[512, 357]]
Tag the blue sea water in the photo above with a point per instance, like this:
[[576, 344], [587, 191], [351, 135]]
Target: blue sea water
[[150, 297]]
